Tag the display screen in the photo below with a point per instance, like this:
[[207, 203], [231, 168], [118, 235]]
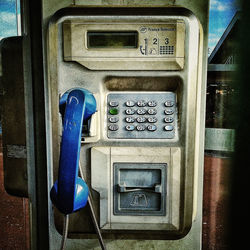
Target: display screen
[[112, 39]]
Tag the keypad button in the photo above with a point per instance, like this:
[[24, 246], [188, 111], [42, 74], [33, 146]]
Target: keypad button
[[130, 127], [113, 127], [141, 103], [113, 119], [129, 111], [169, 103], [168, 119], [114, 111], [169, 128], [130, 119], [152, 111], [141, 119], [168, 111], [141, 111], [152, 119], [152, 103], [113, 103], [152, 127], [130, 103], [141, 127]]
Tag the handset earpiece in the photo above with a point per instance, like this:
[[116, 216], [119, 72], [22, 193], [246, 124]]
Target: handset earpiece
[[70, 192]]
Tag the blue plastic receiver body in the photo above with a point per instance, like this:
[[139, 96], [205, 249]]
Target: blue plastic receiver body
[[70, 192]]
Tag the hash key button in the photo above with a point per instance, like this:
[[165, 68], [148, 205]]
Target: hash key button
[[152, 127]]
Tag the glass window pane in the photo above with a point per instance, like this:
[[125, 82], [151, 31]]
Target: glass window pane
[[10, 24]]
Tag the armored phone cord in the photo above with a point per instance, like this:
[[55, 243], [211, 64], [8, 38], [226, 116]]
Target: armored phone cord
[[97, 229], [66, 223], [65, 231]]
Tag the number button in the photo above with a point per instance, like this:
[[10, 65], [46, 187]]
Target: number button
[[141, 119], [152, 119], [113, 127], [152, 103], [130, 104], [152, 127], [130, 119], [168, 111], [152, 111], [129, 111], [113, 119], [141, 127], [141, 111], [130, 127], [141, 103]]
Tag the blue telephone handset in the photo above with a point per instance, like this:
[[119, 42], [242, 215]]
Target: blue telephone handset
[[70, 192]]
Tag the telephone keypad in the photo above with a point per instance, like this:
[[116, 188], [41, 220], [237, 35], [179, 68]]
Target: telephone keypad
[[139, 115]]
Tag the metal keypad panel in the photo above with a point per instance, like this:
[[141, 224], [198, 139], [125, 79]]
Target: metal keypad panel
[[140, 115]]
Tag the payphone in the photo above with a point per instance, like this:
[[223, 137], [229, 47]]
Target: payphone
[[124, 98], [139, 148]]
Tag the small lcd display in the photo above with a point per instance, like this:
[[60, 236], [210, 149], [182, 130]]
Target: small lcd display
[[112, 39]]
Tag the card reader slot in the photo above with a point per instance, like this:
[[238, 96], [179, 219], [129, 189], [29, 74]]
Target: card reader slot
[[122, 188]]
